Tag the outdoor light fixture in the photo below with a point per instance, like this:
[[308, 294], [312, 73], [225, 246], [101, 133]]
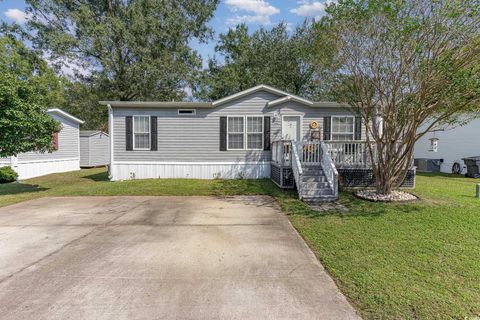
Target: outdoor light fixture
[[276, 115]]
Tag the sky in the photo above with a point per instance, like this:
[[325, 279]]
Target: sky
[[255, 13]]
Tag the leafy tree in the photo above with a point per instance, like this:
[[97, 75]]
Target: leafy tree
[[132, 50], [271, 57], [81, 99], [27, 87], [411, 62]]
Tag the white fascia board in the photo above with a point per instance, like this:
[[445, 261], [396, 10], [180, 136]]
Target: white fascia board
[[65, 115], [288, 98], [156, 104], [258, 88]]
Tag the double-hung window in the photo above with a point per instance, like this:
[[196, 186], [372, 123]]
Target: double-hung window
[[141, 132], [245, 132], [236, 133], [343, 128], [254, 133]]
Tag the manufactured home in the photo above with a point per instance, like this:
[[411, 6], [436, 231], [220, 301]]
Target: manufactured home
[[444, 148], [94, 149], [258, 133], [65, 156]]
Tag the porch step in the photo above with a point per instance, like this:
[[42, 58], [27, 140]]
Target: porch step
[[312, 170], [312, 178], [314, 193], [308, 185], [319, 200]]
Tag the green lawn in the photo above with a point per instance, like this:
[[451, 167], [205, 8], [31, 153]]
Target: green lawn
[[396, 261]]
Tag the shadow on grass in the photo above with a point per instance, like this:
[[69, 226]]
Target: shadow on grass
[[18, 188], [246, 187], [97, 177], [349, 207]]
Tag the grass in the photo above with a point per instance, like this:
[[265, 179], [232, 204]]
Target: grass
[[397, 261], [94, 182], [403, 261]]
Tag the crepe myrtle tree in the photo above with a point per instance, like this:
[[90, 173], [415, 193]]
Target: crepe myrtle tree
[[27, 86], [413, 63]]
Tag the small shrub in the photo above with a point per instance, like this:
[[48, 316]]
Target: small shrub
[[7, 175]]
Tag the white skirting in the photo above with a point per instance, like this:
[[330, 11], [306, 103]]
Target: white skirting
[[32, 169], [194, 170]]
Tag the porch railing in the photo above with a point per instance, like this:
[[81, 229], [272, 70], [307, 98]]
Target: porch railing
[[297, 167], [344, 154], [310, 153], [282, 152], [349, 154], [329, 169]]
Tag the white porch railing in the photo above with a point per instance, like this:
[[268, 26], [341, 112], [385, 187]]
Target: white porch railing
[[344, 154], [310, 152], [297, 167], [281, 152], [329, 169], [347, 154]]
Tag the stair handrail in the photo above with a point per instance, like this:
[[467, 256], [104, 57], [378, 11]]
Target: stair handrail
[[329, 169], [297, 167]]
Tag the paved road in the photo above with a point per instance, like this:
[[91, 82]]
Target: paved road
[[159, 258]]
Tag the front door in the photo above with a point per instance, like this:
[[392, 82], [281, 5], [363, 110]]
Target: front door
[[291, 128]]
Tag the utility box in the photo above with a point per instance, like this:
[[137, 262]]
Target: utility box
[[473, 166]]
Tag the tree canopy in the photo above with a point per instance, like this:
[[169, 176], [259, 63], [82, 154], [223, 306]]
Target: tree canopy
[[134, 50], [27, 87], [407, 61], [275, 57]]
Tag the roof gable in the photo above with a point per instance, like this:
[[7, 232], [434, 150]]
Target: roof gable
[[64, 115], [282, 98], [262, 87]]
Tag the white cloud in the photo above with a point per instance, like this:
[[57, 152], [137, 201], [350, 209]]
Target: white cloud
[[290, 27], [17, 15], [314, 9], [265, 20], [259, 11], [259, 7]]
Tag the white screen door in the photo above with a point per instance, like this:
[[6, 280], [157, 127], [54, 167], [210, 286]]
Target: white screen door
[[291, 128]]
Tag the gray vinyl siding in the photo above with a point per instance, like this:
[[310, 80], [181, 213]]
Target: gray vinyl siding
[[84, 151], [68, 144], [94, 150], [197, 138], [99, 149]]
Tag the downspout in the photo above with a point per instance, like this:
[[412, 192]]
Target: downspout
[[110, 135]]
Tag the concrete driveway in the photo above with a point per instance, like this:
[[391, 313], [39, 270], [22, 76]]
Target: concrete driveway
[[159, 258]]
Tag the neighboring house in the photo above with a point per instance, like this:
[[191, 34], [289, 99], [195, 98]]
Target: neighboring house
[[65, 157], [94, 149], [447, 146], [258, 133]]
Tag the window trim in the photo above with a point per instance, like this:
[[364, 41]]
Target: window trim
[[262, 132], [228, 133], [193, 112], [331, 127], [149, 132], [245, 141]]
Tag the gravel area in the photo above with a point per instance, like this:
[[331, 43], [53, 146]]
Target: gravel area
[[395, 196]]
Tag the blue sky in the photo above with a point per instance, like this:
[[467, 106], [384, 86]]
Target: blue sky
[[256, 13]]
